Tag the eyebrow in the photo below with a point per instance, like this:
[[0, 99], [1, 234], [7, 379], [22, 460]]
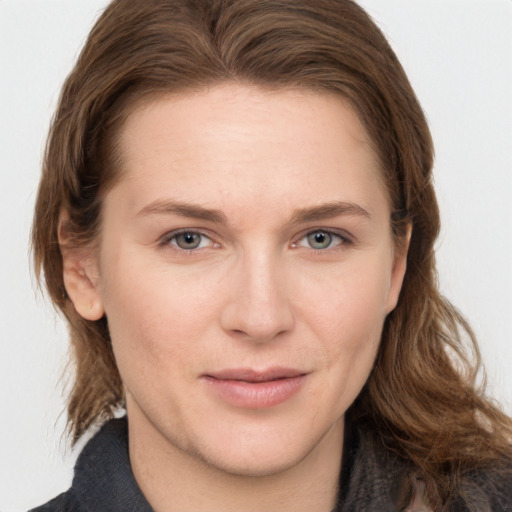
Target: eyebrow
[[300, 216], [329, 211], [184, 210]]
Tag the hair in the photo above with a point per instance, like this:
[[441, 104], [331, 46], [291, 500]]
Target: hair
[[421, 396]]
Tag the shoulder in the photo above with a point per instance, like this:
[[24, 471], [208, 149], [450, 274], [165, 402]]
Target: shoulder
[[103, 479], [65, 502], [486, 490], [375, 470]]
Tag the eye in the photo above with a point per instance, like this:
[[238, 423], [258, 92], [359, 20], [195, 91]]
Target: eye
[[321, 239], [187, 240]]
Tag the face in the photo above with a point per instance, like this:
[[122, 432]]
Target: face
[[246, 266]]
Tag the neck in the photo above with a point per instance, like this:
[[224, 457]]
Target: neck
[[173, 480]]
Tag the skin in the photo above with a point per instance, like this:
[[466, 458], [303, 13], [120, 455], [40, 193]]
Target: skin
[[258, 292]]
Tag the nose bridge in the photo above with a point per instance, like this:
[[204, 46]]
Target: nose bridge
[[259, 305]]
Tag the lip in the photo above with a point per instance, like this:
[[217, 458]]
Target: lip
[[252, 389]]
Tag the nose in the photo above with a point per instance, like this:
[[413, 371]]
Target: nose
[[258, 307]]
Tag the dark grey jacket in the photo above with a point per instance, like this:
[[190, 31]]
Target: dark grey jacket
[[103, 479], [104, 482]]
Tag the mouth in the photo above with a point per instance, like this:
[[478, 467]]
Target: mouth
[[252, 389], [254, 376]]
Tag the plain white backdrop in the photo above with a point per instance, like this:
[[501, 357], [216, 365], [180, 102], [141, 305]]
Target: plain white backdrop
[[458, 54]]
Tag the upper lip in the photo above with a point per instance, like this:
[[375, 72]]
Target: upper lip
[[251, 375]]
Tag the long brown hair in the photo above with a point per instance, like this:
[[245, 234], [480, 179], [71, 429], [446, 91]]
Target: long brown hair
[[421, 395]]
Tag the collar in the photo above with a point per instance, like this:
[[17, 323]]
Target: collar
[[103, 477]]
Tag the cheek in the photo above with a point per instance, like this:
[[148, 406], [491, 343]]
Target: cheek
[[347, 303], [347, 320], [155, 317]]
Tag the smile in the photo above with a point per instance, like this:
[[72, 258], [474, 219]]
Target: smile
[[249, 389]]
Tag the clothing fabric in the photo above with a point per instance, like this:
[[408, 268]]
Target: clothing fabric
[[371, 481], [103, 480]]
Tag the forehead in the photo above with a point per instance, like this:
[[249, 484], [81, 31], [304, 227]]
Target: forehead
[[233, 108], [235, 139]]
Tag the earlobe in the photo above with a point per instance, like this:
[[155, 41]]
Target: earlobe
[[80, 275]]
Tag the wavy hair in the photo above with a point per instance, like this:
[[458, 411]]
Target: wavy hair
[[421, 396]]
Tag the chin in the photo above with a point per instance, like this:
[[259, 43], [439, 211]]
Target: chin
[[263, 463], [261, 450]]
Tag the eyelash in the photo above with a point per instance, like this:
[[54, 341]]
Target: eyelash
[[169, 239]]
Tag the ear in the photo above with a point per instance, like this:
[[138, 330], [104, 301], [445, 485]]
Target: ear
[[399, 267], [80, 274]]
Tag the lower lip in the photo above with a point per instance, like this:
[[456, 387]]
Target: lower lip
[[255, 395]]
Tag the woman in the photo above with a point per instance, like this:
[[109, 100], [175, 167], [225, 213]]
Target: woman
[[237, 219]]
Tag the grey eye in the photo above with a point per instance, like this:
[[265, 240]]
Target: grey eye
[[188, 240], [319, 240]]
